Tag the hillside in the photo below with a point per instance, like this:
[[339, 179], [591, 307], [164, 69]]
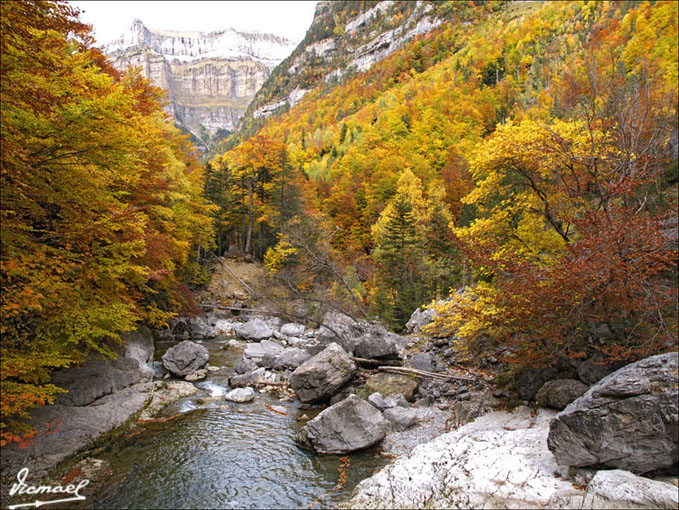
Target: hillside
[[428, 170]]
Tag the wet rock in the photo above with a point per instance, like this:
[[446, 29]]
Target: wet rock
[[198, 375], [347, 426], [245, 365], [422, 361], [629, 420], [559, 393], [292, 329], [164, 394], [322, 375], [240, 395], [389, 384], [257, 351], [254, 329], [400, 418], [290, 359], [185, 358]]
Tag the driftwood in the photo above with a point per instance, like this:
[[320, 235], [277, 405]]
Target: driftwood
[[365, 361], [427, 375]]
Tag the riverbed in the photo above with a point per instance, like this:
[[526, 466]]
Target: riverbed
[[211, 453]]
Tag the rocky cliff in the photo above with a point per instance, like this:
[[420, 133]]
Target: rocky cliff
[[210, 78]]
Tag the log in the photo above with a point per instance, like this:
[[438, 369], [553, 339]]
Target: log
[[424, 374], [365, 361]]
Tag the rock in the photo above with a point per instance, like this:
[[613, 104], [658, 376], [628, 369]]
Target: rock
[[347, 426], [257, 351], [292, 329], [341, 395], [471, 406], [78, 427], [240, 395], [430, 423], [420, 317], [377, 342], [158, 369], [291, 359], [617, 486], [400, 418], [267, 361], [222, 327], [164, 394], [254, 329], [558, 393], [593, 370], [256, 377], [500, 460], [389, 384], [529, 382], [424, 401], [377, 401], [422, 361], [234, 344], [196, 376], [245, 365], [628, 420], [322, 375], [185, 358], [396, 400]]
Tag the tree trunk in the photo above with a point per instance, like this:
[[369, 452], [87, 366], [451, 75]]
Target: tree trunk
[[251, 218]]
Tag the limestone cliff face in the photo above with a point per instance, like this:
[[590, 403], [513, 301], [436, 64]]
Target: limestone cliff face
[[210, 78]]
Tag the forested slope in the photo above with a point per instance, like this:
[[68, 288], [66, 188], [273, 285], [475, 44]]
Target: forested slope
[[526, 150]]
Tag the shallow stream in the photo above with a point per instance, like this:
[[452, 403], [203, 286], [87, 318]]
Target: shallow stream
[[218, 454]]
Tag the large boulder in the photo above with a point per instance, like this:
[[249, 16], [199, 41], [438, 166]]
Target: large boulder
[[292, 329], [185, 358], [377, 342], [400, 418], [389, 384], [629, 420], [528, 382], [257, 351], [291, 359], [347, 426], [254, 329], [321, 376], [622, 489], [594, 369], [559, 393]]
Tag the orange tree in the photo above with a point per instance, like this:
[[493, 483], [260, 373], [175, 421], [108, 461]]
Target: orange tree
[[100, 204]]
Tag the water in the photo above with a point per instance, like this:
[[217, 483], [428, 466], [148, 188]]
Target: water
[[217, 454]]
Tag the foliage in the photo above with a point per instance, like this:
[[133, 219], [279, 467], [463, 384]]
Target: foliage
[[101, 204]]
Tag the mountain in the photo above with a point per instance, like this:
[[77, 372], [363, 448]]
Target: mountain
[[210, 78], [345, 38]]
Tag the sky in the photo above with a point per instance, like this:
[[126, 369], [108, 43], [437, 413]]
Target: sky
[[110, 18]]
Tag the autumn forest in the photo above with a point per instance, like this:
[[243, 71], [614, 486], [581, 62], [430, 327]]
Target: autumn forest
[[515, 169]]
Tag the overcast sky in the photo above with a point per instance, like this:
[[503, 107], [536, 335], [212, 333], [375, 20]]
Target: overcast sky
[[110, 18]]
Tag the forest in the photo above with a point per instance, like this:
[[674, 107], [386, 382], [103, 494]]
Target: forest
[[515, 169]]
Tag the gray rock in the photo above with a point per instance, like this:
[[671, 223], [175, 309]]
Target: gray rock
[[593, 370], [322, 375], [240, 395], [347, 426], [292, 329], [158, 369], [197, 375], [420, 317], [400, 418], [422, 361], [628, 420], [529, 382], [396, 400], [199, 328], [377, 342], [291, 359], [185, 358], [254, 329], [256, 377], [377, 401], [268, 360], [245, 365], [389, 384], [257, 351], [559, 393], [618, 486]]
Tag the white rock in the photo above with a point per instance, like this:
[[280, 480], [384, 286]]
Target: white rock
[[618, 486], [293, 329], [240, 395]]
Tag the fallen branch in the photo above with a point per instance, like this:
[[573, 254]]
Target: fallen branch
[[365, 361], [424, 374]]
